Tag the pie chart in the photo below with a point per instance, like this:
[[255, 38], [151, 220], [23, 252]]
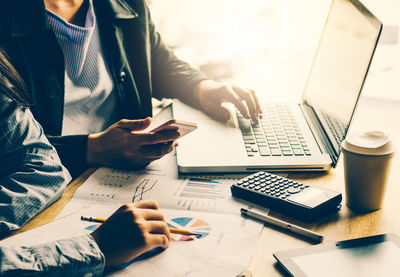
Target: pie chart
[[191, 224], [91, 228]]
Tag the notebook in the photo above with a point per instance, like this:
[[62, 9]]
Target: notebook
[[302, 136]]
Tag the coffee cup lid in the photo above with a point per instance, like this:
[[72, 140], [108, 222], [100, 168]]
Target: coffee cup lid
[[369, 143]]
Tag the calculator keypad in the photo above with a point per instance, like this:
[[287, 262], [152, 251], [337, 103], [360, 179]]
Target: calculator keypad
[[272, 185]]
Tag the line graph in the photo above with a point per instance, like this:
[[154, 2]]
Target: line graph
[[145, 186]]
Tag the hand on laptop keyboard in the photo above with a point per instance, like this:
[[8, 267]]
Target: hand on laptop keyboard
[[212, 94]]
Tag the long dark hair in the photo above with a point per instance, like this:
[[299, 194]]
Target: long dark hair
[[11, 83]]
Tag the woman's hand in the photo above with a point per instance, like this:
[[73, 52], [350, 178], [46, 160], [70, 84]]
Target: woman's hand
[[212, 94], [131, 231]]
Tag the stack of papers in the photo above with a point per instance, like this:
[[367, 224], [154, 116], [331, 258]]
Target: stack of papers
[[202, 204]]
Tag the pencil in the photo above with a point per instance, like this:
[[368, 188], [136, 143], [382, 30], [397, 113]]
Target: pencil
[[93, 219], [182, 232], [172, 230]]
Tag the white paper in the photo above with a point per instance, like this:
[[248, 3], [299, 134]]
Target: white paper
[[177, 261], [230, 237], [112, 187], [228, 246], [224, 251]]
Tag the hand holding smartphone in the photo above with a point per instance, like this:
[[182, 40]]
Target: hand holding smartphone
[[183, 127]]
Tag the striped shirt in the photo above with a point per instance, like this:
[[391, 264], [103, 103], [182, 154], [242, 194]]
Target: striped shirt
[[31, 178], [89, 101]]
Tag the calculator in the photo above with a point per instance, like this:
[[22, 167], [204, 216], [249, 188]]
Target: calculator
[[287, 196]]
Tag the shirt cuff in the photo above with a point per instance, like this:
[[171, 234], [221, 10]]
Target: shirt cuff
[[77, 256]]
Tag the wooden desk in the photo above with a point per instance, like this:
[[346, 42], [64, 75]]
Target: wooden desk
[[344, 225]]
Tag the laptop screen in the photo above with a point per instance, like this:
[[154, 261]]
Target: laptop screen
[[340, 66]]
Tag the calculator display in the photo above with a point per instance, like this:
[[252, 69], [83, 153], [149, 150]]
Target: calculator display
[[310, 197]]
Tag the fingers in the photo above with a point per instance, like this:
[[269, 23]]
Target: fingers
[[146, 209], [159, 234], [155, 224], [231, 96], [212, 94], [156, 138], [158, 241], [156, 151], [251, 100], [257, 101], [134, 125], [151, 214], [146, 204], [159, 227]]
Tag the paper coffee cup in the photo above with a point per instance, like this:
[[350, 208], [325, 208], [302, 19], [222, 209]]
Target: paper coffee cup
[[366, 157]]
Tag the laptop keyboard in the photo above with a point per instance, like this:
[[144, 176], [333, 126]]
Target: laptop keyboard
[[337, 128], [276, 133]]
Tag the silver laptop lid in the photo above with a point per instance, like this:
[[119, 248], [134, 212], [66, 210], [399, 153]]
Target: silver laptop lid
[[340, 67]]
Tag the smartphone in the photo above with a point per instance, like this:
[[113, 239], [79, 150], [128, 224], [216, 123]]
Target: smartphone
[[183, 127]]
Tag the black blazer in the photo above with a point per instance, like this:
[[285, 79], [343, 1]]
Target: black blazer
[[141, 65]]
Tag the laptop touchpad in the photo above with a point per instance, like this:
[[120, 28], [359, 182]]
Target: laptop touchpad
[[212, 139]]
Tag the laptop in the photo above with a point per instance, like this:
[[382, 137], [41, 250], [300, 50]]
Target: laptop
[[292, 136]]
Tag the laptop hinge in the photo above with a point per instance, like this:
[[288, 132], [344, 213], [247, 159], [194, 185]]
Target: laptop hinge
[[319, 133]]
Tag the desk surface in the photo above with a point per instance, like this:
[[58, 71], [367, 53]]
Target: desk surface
[[345, 225], [371, 114]]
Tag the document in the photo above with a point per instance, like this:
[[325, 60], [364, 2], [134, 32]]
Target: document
[[201, 204], [223, 249], [113, 187]]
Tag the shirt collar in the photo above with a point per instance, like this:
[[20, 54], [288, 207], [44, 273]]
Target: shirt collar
[[29, 16]]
